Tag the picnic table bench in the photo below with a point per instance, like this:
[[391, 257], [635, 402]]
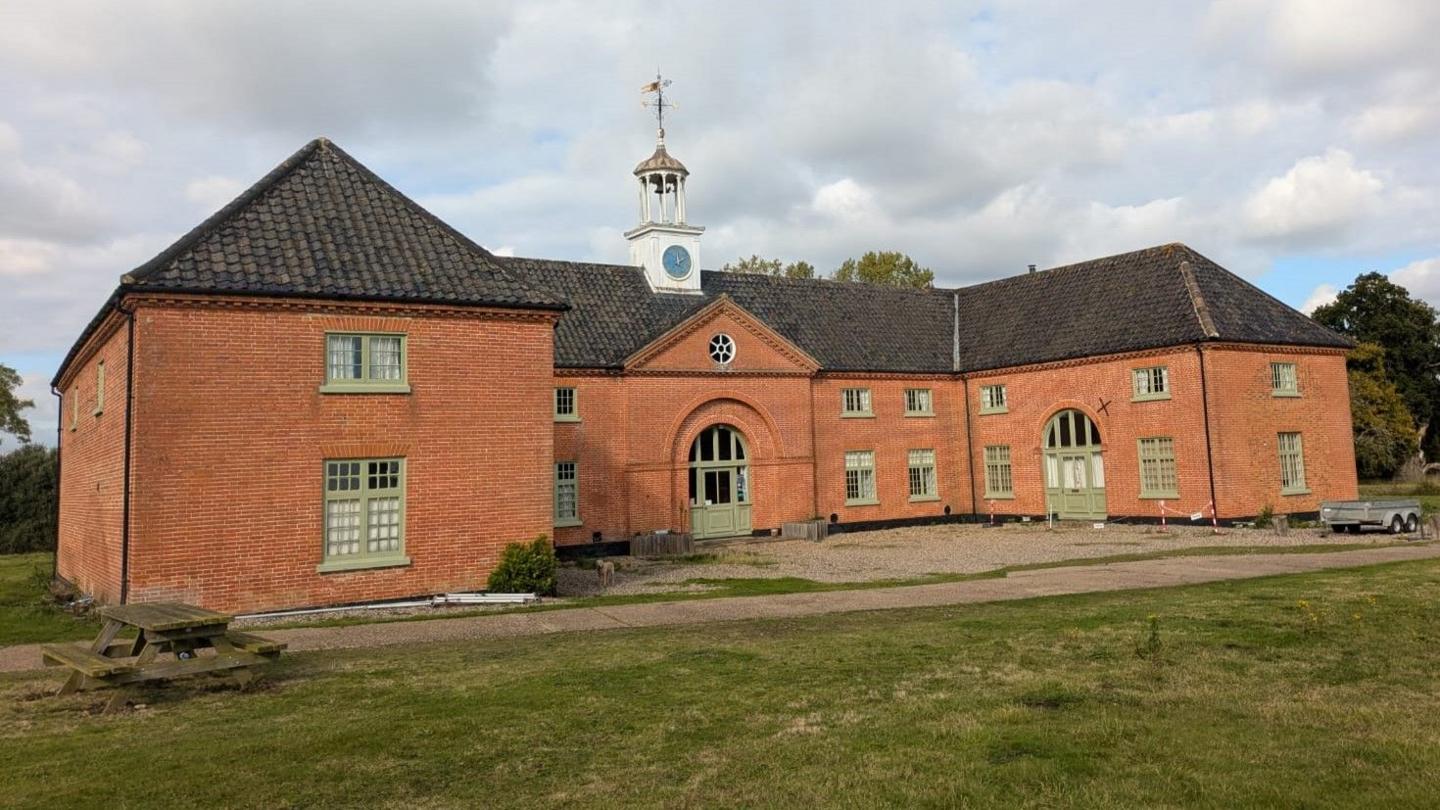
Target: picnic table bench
[[192, 641]]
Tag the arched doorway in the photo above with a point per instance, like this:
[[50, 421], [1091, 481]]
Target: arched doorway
[[1074, 469], [719, 483]]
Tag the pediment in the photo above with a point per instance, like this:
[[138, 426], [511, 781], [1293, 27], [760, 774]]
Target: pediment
[[685, 347]]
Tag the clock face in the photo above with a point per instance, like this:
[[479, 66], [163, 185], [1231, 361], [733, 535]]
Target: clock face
[[677, 262]]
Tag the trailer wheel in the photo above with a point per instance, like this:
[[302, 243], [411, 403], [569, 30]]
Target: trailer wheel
[[1397, 525], [1353, 528], [1412, 523], [1337, 528]]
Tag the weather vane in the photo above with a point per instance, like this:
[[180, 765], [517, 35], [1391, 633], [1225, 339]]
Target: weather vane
[[659, 103]]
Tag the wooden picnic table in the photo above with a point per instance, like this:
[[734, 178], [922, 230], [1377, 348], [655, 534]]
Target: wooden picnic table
[[172, 640]]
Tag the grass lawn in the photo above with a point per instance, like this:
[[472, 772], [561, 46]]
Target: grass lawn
[[1317, 690], [24, 615], [1427, 495]]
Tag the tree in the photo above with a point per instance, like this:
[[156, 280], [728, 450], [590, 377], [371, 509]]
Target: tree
[[889, 267], [1385, 436], [770, 267], [27, 499], [11, 405], [1377, 310]]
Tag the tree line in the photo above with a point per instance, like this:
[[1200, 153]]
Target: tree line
[[1394, 375], [887, 267]]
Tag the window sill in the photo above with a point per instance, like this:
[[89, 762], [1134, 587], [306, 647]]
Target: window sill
[[1005, 496], [569, 524], [1287, 492], [97, 412], [863, 502], [988, 411], [922, 414], [567, 419], [1285, 394], [361, 565], [1162, 496], [923, 498], [364, 388], [1150, 397], [857, 415]]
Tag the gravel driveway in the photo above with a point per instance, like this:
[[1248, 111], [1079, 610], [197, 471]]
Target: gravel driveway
[[917, 551]]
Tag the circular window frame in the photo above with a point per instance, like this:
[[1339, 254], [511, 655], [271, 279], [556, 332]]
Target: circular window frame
[[722, 349]]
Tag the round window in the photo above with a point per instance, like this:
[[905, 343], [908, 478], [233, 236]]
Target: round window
[[722, 348]]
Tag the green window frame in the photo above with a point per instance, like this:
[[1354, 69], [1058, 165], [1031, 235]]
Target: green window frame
[[1150, 383], [364, 514], [993, 399], [75, 407], [1284, 380], [1292, 464], [567, 404], [99, 388], [922, 475], [366, 363], [999, 475], [860, 478], [919, 402], [567, 493], [855, 402], [1159, 477]]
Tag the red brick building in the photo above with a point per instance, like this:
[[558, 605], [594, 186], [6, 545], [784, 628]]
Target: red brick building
[[325, 395]]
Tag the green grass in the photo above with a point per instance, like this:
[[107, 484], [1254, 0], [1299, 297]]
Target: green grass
[[1242, 696], [1425, 493], [25, 616], [771, 586]]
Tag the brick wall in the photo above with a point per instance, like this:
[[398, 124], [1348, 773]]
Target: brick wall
[[633, 455], [233, 432], [1246, 419], [92, 465]]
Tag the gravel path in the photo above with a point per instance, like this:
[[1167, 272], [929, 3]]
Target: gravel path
[[917, 551]]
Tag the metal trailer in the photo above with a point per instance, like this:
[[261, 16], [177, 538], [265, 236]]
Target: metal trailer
[[1395, 516]]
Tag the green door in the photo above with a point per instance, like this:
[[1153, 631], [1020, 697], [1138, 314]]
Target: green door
[[1074, 467], [719, 484]]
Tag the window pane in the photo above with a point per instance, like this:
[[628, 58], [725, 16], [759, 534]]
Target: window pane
[[342, 528], [385, 358], [742, 491], [722, 443], [384, 525], [564, 401], [345, 355]]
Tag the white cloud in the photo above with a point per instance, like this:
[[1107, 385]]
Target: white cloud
[[1319, 297], [1394, 122], [1319, 197], [1421, 278], [213, 192]]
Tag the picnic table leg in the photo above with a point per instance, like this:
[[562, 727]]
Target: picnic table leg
[[72, 684], [108, 633], [121, 695], [242, 676]]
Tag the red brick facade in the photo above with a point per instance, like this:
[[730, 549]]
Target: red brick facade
[[230, 432], [633, 480], [230, 435]]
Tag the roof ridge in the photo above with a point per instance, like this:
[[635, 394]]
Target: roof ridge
[[228, 211], [1197, 300]]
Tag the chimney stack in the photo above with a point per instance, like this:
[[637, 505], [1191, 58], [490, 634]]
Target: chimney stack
[[1032, 268]]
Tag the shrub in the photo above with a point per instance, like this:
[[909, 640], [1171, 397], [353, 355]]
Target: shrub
[[525, 568], [1267, 514], [27, 500]]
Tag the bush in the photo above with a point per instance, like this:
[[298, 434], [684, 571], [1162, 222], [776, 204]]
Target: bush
[[525, 568]]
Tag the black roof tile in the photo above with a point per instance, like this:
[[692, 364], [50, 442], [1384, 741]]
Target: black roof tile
[[1127, 302], [321, 224]]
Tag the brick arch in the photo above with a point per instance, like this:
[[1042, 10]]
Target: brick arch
[[1038, 429], [762, 441], [762, 436]]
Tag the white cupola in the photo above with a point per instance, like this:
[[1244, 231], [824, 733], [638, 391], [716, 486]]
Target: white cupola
[[664, 244]]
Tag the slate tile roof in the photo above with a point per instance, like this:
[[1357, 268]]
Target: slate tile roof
[[1131, 301], [323, 225]]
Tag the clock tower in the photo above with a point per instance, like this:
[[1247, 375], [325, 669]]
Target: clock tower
[[664, 244]]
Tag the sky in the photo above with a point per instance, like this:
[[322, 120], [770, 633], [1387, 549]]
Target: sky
[[1293, 141]]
